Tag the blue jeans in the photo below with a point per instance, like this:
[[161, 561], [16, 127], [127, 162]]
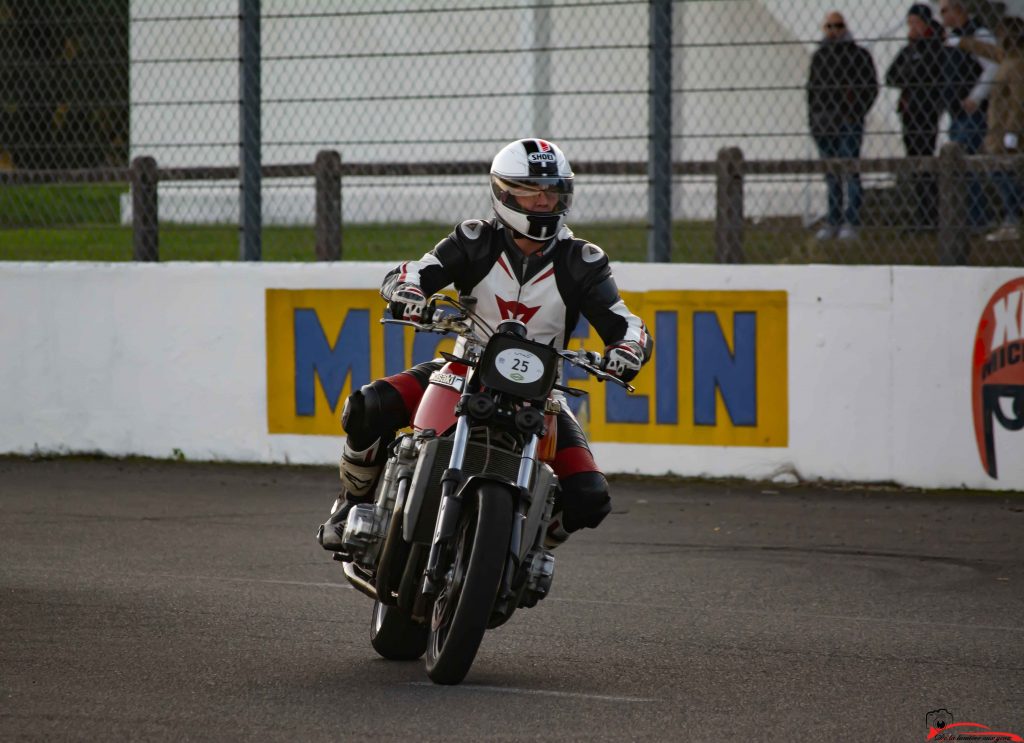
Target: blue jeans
[[968, 131], [843, 144], [1011, 194]]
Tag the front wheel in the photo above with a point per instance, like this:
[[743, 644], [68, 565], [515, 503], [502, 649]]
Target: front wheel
[[394, 635], [463, 605]]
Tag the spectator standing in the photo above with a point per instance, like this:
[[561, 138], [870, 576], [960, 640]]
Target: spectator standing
[[841, 88], [918, 73], [1005, 115], [970, 83]]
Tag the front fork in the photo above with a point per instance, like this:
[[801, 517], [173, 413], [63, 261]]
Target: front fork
[[450, 509], [451, 505]]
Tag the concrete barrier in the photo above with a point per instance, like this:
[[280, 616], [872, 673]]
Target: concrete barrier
[[843, 373]]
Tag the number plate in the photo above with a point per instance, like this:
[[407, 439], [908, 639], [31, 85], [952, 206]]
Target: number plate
[[519, 365]]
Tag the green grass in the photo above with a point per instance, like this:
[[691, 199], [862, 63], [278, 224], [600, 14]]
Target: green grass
[[40, 206], [76, 222], [90, 242], [100, 242]]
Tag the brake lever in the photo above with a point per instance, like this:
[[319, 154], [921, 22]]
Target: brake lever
[[456, 359], [394, 321], [602, 376], [439, 323], [585, 360], [612, 378]]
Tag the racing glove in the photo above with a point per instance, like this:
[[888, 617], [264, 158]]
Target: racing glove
[[407, 303], [623, 360]]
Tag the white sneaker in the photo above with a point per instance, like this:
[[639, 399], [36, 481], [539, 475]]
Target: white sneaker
[[827, 232], [847, 232], [1006, 233]]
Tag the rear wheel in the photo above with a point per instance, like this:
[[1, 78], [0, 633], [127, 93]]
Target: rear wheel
[[463, 605], [394, 635]]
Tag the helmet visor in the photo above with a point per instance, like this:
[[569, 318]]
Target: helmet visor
[[534, 194]]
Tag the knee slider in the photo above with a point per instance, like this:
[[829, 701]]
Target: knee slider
[[353, 414], [373, 414], [585, 500], [362, 409]]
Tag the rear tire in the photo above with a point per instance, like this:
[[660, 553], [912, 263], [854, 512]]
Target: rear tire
[[394, 635], [463, 606]]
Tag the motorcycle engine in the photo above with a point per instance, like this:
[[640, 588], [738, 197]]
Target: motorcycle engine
[[364, 532], [540, 570]]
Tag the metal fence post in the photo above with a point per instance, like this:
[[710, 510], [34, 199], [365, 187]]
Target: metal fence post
[[250, 157], [953, 239], [659, 161], [328, 205], [145, 210], [540, 22], [729, 206]]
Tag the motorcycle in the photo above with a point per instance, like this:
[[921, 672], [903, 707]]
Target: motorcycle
[[453, 542]]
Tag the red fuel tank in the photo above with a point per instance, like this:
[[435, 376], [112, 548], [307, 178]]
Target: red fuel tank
[[437, 406]]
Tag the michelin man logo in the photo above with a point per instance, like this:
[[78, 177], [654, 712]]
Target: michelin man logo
[[997, 371]]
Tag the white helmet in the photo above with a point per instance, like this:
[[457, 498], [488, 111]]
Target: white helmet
[[521, 169]]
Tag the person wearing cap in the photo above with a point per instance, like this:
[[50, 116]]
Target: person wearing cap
[[841, 88], [917, 72]]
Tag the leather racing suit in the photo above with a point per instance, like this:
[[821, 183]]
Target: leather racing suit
[[548, 291]]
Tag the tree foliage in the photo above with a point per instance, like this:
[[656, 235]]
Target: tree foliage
[[64, 98]]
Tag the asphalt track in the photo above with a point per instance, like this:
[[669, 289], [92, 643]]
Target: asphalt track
[[162, 601]]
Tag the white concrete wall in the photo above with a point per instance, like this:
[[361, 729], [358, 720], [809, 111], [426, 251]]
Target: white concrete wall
[[147, 359]]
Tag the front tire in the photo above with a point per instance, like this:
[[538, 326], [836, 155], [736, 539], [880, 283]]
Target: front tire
[[463, 606], [394, 635]]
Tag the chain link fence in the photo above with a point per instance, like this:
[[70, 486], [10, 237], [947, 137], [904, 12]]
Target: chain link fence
[[773, 131]]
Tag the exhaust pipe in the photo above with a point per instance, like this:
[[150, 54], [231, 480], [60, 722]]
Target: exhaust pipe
[[360, 583]]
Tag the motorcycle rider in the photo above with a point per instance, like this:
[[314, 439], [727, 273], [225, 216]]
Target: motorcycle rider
[[524, 264]]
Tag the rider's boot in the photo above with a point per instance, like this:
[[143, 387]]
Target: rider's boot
[[359, 474], [556, 533]]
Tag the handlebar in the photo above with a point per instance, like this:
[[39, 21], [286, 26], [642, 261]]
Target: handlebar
[[590, 362], [458, 323]]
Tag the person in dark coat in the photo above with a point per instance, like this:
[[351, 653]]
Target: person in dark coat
[[918, 72], [841, 89]]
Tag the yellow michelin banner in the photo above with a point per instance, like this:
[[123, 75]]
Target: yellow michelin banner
[[719, 375]]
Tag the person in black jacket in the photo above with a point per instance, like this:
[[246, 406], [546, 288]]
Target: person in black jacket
[[841, 89], [918, 72]]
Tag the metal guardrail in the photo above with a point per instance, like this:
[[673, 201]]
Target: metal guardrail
[[729, 170]]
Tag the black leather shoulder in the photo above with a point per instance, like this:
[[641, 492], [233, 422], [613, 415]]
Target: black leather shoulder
[[584, 263], [465, 243], [469, 252], [473, 231]]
